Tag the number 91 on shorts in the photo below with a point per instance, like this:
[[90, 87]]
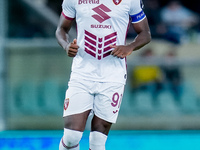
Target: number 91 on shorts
[[103, 98]]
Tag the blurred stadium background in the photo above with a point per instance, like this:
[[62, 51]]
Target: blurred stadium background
[[34, 71]]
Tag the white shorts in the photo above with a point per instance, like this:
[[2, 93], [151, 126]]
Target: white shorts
[[103, 98]]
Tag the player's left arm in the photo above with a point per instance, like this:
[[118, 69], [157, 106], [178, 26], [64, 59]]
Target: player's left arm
[[143, 37]]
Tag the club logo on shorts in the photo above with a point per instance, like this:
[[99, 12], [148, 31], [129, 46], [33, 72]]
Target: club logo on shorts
[[117, 2], [66, 103]]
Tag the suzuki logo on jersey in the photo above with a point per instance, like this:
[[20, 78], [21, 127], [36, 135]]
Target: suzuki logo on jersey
[[101, 11], [99, 47], [117, 2]]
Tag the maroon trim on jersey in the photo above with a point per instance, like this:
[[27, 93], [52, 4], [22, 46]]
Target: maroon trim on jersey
[[90, 52], [90, 40], [108, 48], [99, 51], [90, 46], [125, 42], [110, 35], [91, 35], [106, 54], [100, 39], [99, 47], [66, 17], [110, 41]]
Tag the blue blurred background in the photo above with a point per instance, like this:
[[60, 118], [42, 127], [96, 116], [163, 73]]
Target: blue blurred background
[[163, 86]]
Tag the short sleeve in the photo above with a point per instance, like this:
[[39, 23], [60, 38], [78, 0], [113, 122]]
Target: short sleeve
[[136, 12], [68, 9]]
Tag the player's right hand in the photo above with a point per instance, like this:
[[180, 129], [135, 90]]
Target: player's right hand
[[72, 48]]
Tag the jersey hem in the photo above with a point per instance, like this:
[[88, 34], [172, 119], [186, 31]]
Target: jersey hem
[[97, 80]]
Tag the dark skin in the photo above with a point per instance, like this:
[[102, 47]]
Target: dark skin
[[78, 121]]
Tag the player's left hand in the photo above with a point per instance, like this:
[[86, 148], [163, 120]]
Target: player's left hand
[[121, 51]]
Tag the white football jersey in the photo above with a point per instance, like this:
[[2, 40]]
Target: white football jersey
[[101, 23]]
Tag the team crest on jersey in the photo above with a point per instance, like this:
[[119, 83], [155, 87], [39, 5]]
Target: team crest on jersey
[[66, 103], [117, 2]]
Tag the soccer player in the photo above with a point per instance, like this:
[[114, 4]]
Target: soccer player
[[99, 72]]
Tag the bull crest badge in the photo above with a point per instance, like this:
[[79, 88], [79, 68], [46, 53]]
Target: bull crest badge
[[117, 2]]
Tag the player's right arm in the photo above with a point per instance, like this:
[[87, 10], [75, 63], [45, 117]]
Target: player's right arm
[[62, 36]]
